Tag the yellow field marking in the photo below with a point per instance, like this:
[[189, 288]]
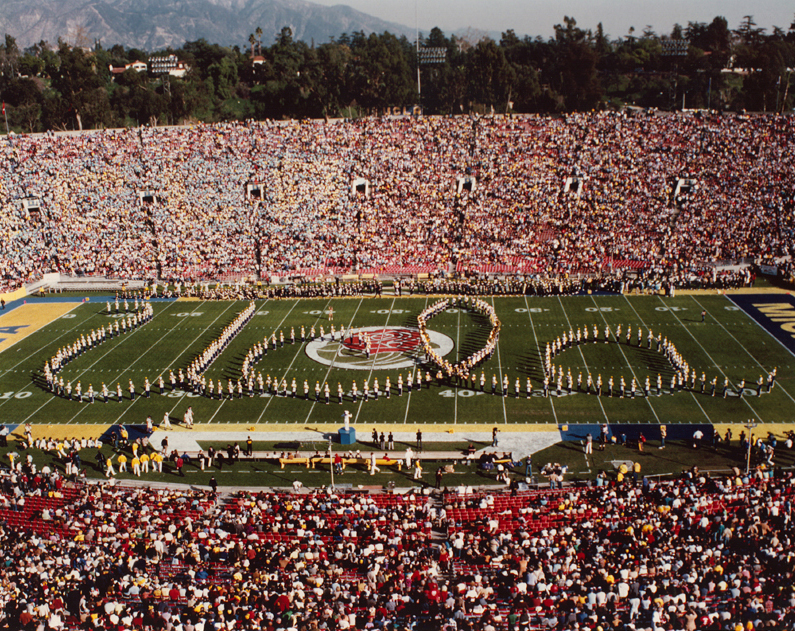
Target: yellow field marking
[[63, 431], [16, 325], [760, 431]]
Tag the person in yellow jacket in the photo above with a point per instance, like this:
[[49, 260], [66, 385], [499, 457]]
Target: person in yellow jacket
[[144, 463], [136, 465], [109, 471], [157, 462], [122, 463]]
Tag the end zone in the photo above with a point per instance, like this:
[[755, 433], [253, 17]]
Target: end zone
[[775, 313], [26, 319]]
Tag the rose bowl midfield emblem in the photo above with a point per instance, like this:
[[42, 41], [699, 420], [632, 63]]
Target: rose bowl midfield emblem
[[392, 347]]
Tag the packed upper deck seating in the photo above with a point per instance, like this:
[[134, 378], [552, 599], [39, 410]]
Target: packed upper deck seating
[[172, 203]]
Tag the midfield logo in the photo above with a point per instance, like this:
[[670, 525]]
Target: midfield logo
[[391, 347]]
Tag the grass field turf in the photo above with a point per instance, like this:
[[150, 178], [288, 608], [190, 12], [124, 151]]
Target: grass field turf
[[729, 343]]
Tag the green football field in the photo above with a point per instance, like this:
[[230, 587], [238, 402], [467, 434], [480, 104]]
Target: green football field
[[728, 344]]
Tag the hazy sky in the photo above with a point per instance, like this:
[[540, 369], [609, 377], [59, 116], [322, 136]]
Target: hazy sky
[[534, 17]]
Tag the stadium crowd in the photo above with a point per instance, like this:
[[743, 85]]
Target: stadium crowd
[[685, 554], [258, 199]]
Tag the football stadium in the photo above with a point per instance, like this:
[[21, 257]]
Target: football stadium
[[449, 373]]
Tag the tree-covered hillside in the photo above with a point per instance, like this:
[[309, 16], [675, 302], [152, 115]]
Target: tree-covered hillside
[[697, 66]]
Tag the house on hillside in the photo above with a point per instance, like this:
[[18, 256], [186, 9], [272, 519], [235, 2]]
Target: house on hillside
[[138, 66]]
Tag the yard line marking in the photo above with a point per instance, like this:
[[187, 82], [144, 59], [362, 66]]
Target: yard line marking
[[499, 363], [220, 387], [626, 359], [745, 399], [125, 337], [203, 331], [331, 366], [276, 388], [169, 331], [579, 347], [693, 394], [540, 357], [297, 353], [372, 364], [66, 331], [408, 401], [179, 399], [743, 347]]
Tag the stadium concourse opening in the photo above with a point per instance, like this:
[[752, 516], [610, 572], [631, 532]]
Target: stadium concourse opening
[[150, 196], [574, 185], [31, 205], [684, 187], [255, 191], [467, 184], [360, 186]]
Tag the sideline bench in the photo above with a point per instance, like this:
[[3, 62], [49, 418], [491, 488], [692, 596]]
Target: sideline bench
[[301, 461], [311, 462], [309, 459]]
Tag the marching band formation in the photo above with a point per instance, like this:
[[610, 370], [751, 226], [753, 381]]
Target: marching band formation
[[462, 369], [683, 376], [195, 372], [140, 316], [555, 379]]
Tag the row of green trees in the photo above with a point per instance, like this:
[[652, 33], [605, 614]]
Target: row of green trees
[[68, 87]]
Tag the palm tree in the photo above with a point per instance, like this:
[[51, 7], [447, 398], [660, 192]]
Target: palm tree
[[259, 39], [251, 40]]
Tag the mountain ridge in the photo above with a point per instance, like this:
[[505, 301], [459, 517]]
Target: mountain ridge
[[154, 24]]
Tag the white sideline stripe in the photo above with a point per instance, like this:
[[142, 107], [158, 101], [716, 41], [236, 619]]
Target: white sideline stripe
[[579, 347], [499, 363], [745, 399], [692, 394], [626, 359], [745, 349], [540, 356]]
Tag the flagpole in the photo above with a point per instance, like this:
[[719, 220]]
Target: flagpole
[[417, 25]]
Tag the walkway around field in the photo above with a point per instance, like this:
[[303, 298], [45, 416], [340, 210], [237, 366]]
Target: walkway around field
[[307, 442]]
